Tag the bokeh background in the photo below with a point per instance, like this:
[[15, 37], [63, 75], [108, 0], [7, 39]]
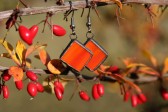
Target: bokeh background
[[135, 32]]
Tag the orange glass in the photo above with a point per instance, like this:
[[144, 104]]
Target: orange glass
[[76, 55], [99, 55]]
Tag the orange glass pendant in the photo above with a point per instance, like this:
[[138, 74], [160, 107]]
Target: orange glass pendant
[[76, 55], [99, 54]]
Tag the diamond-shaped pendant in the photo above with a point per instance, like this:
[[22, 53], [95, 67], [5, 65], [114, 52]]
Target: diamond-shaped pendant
[[76, 55], [99, 54]]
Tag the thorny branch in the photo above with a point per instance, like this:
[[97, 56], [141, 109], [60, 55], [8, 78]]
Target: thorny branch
[[75, 5], [145, 79]]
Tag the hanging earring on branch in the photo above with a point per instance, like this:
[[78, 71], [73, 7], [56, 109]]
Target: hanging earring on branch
[[99, 54]]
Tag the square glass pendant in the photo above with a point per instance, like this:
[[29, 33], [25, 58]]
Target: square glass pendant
[[99, 54], [76, 55]]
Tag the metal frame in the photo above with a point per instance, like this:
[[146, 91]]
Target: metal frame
[[91, 39], [68, 46]]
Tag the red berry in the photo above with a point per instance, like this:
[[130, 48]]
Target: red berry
[[5, 91], [95, 93], [164, 94], [40, 87], [32, 89], [31, 75], [58, 30], [142, 97], [140, 101], [84, 96], [0, 89], [6, 76], [19, 84], [113, 69], [100, 89], [58, 93], [134, 100], [58, 84], [28, 35], [126, 96]]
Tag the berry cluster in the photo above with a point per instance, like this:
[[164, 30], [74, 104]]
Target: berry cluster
[[32, 88], [97, 92], [58, 89], [136, 99]]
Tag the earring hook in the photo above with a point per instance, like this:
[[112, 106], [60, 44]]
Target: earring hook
[[88, 5], [89, 33], [88, 24], [68, 11], [72, 26]]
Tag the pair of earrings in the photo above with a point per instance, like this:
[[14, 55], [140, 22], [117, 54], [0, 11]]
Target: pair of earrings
[[77, 55]]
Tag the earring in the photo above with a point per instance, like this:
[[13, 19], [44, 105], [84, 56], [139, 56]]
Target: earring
[[99, 54], [75, 55]]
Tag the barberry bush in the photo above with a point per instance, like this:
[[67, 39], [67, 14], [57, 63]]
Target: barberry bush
[[35, 33]]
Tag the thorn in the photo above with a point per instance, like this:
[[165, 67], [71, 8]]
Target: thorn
[[24, 4]]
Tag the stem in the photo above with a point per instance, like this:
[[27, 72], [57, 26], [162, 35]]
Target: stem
[[145, 79], [75, 5], [24, 4]]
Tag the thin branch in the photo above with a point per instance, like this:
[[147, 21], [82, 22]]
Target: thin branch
[[158, 2], [75, 5], [140, 80]]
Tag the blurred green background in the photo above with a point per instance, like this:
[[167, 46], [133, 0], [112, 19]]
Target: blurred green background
[[120, 41]]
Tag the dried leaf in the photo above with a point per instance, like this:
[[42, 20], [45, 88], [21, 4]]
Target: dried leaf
[[20, 48], [33, 48], [10, 50], [55, 66], [44, 57], [102, 68], [148, 71], [101, 72], [16, 72], [128, 61], [149, 56], [132, 65], [28, 64], [165, 69], [122, 80]]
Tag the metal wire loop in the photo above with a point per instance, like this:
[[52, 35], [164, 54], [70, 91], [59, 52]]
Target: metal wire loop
[[89, 35], [73, 36]]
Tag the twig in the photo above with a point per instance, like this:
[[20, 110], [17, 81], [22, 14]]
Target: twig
[[75, 5], [140, 80]]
